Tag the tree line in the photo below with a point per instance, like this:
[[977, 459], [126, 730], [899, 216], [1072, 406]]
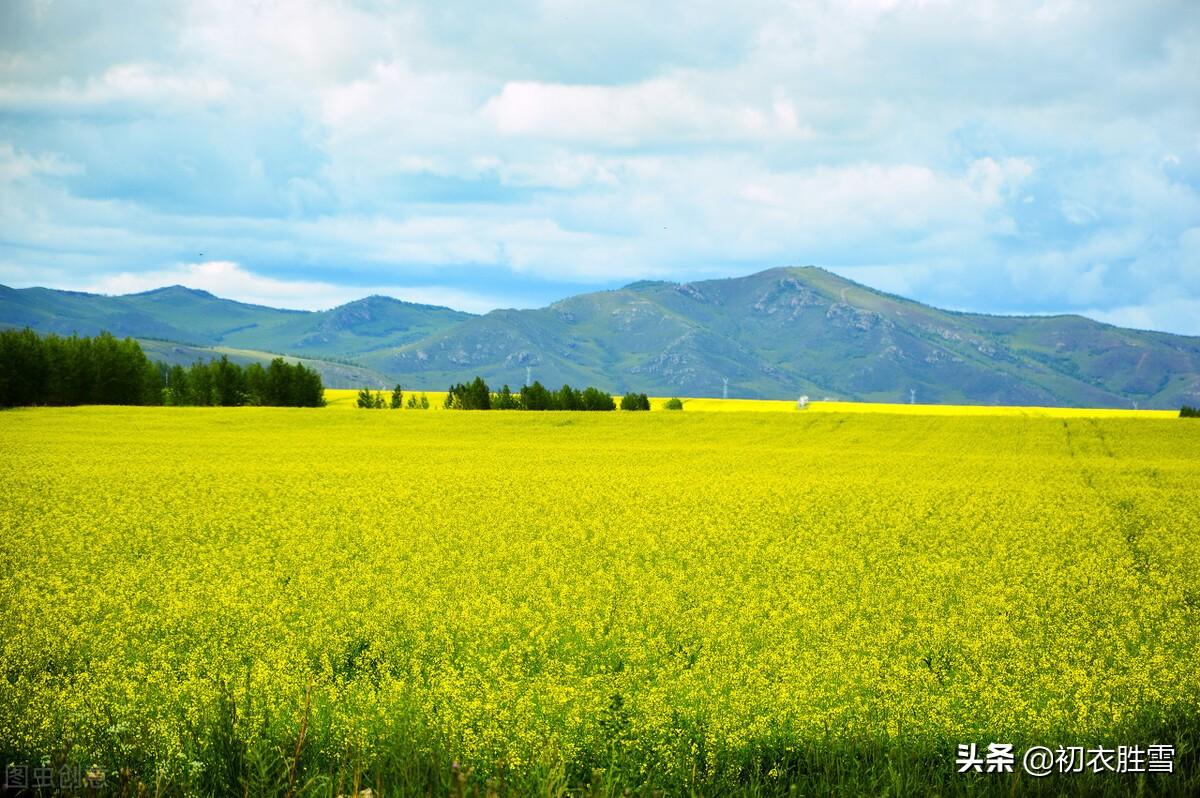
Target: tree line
[[104, 370], [222, 383], [375, 401], [476, 395], [1187, 411]]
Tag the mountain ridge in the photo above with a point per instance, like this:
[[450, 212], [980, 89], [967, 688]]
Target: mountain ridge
[[776, 333]]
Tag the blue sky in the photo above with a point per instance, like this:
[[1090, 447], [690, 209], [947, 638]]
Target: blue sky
[[995, 156]]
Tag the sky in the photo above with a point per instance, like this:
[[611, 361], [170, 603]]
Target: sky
[[1004, 157]]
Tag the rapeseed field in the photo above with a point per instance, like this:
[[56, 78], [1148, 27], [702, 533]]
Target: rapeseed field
[[344, 399], [252, 601]]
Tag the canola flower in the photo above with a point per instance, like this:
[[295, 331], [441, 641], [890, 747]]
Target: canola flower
[[342, 398], [693, 597]]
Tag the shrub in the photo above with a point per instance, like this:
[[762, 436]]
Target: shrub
[[674, 403]]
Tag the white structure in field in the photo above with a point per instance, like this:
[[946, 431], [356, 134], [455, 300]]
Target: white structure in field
[[802, 403]]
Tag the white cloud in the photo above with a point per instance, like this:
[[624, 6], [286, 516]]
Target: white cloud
[[291, 44], [20, 165], [139, 84], [1179, 315], [230, 281], [655, 109]]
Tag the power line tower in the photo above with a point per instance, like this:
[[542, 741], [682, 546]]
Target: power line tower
[[912, 396], [725, 389]]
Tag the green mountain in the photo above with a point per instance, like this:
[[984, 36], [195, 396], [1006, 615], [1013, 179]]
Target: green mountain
[[196, 317], [777, 334], [333, 374]]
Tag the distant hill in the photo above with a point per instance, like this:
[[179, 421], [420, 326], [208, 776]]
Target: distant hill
[[333, 374], [778, 333], [196, 317]]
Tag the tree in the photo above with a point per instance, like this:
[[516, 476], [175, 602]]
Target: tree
[[51, 370], [176, 391], [397, 397], [505, 400], [308, 390], [412, 403], [227, 383], [278, 385], [596, 399], [474, 395], [254, 384], [424, 402], [365, 400], [107, 370], [674, 403], [1187, 411], [535, 397], [568, 398]]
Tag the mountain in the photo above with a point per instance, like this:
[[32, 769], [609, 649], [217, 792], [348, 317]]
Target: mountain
[[196, 317], [181, 325], [778, 333], [333, 374]]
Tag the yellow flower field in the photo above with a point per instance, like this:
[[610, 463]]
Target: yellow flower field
[[690, 601], [345, 399]]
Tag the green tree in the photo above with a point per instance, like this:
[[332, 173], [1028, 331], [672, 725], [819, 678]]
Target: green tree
[[307, 388], [176, 391], [397, 398], [22, 368], [227, 383], [674, 403], [505, 400], [567, 398], [254, 384], [535, 397], [596, 399], [474, 395]]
